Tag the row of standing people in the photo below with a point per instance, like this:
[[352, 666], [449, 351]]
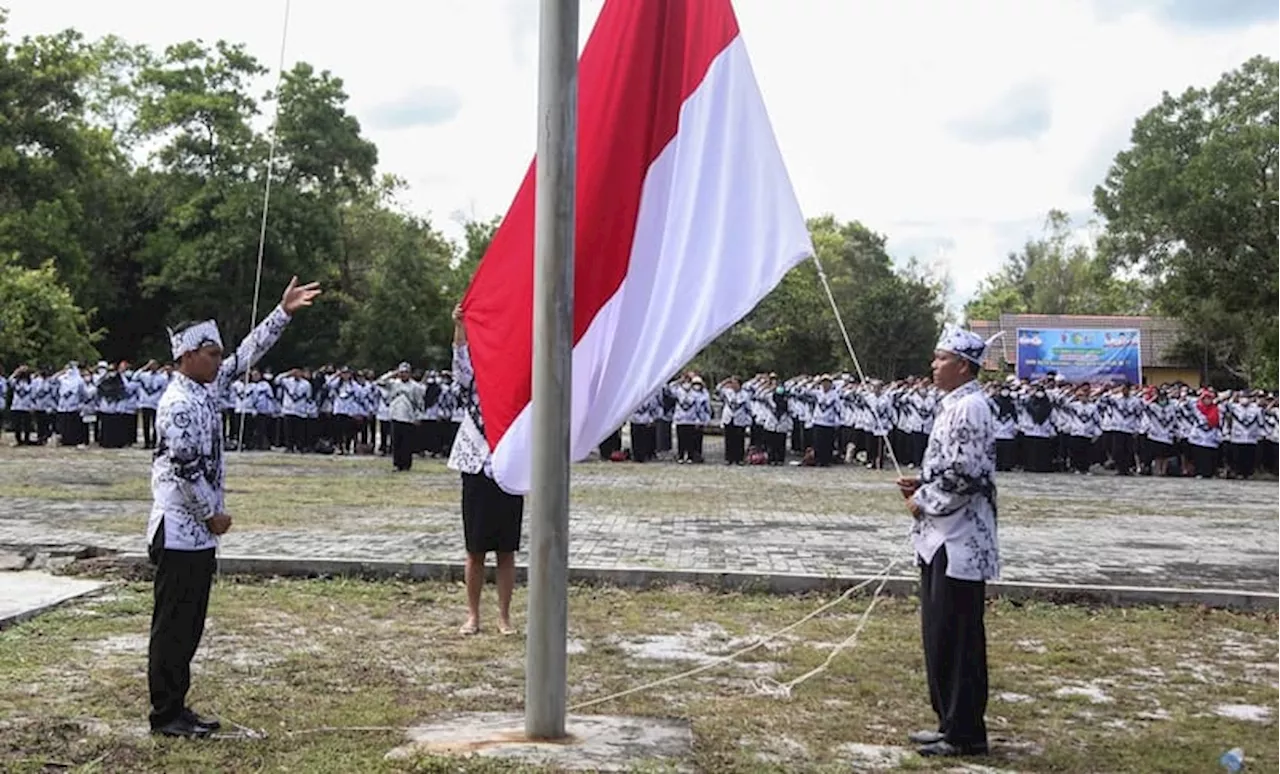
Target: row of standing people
[[299, 410], [1046, 426]]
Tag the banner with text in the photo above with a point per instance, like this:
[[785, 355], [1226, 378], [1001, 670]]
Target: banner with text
[[1080, 355]]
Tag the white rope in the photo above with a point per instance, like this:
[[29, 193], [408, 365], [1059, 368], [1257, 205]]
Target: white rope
[[266, 200], [245, 732], [822, 275], [767, 686]]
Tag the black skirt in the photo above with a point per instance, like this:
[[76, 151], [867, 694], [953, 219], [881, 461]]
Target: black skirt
[[491, 518]]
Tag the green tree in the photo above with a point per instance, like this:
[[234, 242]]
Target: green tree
[[402, 314], [1054, 275], [892, 316], [1193, 204], [40, 323]]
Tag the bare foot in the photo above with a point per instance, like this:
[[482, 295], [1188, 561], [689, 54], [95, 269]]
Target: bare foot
[[506, 629], [469, 628]]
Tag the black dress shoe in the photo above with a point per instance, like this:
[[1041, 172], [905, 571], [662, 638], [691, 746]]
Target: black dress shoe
[[926, 737], [944, 749], [191, 717], [182, 728]]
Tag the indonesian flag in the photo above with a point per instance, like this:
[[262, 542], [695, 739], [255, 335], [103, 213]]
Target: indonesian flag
[[686, 219]]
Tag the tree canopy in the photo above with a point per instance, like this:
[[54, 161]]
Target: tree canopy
[[1192, 203], [131, 192], [1055, 275], [132, 188]]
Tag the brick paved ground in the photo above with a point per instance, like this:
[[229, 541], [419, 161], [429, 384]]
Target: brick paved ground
[[1054, 528]]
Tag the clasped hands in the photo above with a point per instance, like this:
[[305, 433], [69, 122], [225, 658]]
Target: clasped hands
[[219, 523], [908, 487]]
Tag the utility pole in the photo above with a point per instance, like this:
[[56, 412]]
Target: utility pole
[[554, 222]]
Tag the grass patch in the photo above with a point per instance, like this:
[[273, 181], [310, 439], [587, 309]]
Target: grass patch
[[1071, 686]]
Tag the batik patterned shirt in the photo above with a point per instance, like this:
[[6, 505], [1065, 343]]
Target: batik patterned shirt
[[957, 494], [187, 470], [470, 453]]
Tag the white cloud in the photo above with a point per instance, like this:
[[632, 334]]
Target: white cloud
[[864, 95]]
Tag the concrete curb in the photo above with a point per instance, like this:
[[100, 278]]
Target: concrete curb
[[645, 577]]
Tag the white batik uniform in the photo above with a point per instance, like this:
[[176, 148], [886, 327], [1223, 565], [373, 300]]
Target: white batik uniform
[[188, 471]]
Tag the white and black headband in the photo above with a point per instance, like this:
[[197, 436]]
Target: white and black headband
[[198, 336]]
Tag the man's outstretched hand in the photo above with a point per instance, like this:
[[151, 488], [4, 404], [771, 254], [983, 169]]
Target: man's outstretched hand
[[297, 296]]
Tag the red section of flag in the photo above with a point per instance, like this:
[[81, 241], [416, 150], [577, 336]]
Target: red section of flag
[[643, 59]]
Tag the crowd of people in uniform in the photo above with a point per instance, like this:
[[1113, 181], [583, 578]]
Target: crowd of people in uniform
[[1042, 426], [327, 410]]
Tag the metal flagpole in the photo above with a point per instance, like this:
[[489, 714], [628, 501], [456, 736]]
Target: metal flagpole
[[547, 625]]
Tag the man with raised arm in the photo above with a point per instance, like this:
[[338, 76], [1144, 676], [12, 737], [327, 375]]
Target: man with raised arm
[[188, 502]]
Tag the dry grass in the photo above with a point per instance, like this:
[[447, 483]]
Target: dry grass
[[1073, 689]]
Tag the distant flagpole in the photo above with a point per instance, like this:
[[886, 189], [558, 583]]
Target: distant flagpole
[[546, 688]]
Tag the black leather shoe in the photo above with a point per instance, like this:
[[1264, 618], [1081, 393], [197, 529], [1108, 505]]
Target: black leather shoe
[[944, 749], [925, 737], [183, 728], [191, 717]]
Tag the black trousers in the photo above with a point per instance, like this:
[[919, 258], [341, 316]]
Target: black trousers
[[662, 435], [71, 429], [735, 444], [182, 584], [644, 441], [402, 445], [919, 442], [23, 424], [611, 444], [824, 440], [1006, 452], [776, 443], [148, 427], [1081, 450], [295, 433], [1122, 452], [689, 442], [955, 651]]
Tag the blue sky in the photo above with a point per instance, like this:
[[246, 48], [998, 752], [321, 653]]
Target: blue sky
[[952, 127]]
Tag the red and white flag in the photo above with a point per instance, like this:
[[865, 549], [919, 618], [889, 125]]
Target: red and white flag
[[686, 219]]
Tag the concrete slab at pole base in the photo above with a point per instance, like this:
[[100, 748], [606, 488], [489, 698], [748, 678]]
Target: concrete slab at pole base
[[593, 742]]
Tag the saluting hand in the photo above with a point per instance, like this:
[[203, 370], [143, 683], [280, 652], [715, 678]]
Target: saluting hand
[[295, 296]]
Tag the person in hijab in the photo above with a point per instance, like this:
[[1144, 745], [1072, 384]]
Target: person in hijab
[[1205, 434], [188, 501], [1005, 415], [954, 505], [491, 517], [1040, 434]]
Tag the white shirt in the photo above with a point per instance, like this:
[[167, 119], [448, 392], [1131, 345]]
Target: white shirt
[[957, 494], [188, 469]]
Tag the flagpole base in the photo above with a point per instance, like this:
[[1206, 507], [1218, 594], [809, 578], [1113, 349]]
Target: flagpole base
[[591, 742]]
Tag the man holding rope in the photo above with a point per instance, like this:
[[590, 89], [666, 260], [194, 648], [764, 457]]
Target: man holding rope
[[187, 513], [954, 505]]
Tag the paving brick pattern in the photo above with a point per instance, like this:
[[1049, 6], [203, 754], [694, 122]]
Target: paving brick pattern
[[1058, 528]]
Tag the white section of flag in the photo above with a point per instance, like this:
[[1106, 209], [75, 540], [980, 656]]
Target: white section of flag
[[719, 226]]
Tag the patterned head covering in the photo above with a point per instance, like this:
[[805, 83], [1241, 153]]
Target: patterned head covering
[[965, 343], [200, 335]]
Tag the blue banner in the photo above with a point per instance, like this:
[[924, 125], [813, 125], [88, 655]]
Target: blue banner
[[1080, 354]]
